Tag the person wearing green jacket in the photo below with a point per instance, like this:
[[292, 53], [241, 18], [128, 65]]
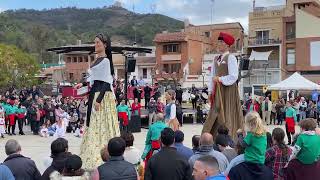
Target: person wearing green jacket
[[20, 113], [10, 109], [152, 143], [291, 118], [123, 115]]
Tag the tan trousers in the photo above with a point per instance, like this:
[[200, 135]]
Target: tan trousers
[[266, 116]]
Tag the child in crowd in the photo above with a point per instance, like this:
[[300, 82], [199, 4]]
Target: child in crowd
[[60, 129], [255, 141], [52, 129], [307, 149], [2, 124], [44, 129], [79, 131], [223, 130], [278, 155]]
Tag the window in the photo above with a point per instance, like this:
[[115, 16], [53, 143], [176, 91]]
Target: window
[[175, 68], [291, 56], [144, 73], [171, 48], [165, 68], [71, 76], [238, 44], [74, 59], [315, 53], [91, 58], [120, 73], [171, 68], [291, 31], [207, 34], [68, 59], [262, 37], [80, 59], [85, 59]]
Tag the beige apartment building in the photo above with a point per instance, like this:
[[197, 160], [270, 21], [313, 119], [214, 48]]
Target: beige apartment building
[[283, 40], [264, 47]]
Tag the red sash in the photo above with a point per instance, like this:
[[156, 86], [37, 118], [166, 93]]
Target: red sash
[[290, 124], [155, 146], [11, 119], [124, 117]]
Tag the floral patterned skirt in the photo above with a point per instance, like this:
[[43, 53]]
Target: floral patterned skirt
[[103, 126]]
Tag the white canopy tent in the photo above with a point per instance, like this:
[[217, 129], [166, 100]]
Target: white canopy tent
[[295, 82]]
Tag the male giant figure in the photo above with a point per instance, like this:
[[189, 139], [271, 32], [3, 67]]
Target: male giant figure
[[223, 89]]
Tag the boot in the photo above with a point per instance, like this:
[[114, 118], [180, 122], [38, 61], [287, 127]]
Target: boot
[[13, 128]]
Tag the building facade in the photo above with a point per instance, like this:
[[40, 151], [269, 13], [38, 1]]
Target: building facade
[[144, 67], [264, 48], [76, 65], [301, 34], [180, 55]]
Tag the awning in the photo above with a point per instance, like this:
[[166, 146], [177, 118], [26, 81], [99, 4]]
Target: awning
[[260, 56]]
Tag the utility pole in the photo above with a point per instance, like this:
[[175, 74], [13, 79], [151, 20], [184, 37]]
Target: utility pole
[[212, 6], [134, 26]]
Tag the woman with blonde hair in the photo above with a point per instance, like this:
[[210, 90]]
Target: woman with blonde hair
[[255, 140], [170, 110]]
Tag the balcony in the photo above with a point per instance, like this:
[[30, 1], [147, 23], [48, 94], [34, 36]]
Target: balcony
[[171, 57], [168, 76], [290, 36], [263, 42], [261, 64], [270, 8]]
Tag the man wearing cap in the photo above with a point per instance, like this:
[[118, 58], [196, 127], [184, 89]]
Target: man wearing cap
[[223, 90]]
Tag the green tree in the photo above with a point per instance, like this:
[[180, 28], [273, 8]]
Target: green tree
[[17, 68]]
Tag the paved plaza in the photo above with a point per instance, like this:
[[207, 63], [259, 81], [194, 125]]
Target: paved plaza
[[38, 148]]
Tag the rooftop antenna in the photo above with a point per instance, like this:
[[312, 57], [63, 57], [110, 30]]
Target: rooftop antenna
[[153, 8]]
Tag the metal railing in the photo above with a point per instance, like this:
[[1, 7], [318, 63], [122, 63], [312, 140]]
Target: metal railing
[[260, 64], [291, 36], [257, 41]]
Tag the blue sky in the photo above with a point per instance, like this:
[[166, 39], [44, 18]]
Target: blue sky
[[197, 11]]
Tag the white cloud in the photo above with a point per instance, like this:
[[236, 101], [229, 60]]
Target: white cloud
[[129, 3], [199, 11], [244, 21]]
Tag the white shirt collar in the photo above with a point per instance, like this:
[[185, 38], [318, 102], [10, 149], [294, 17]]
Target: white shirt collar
[[224, 54]]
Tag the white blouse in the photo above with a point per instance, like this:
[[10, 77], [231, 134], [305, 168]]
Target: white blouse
[[233, 70], [100, 72]]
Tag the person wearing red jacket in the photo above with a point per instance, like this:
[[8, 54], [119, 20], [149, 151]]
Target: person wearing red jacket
[[136, 108], [253, 106]]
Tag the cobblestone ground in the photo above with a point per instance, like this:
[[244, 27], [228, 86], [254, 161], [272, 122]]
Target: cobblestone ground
[[38, 148]]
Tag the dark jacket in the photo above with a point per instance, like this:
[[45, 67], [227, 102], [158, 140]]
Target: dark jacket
[[22, 168], [147, 92], [179, 93], [116, 168], [56, 165], [250, 171], [168, 164], [296, 171], [134, 82]]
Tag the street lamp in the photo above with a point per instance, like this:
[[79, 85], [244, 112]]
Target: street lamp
[[203, 75], [265, 66]]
